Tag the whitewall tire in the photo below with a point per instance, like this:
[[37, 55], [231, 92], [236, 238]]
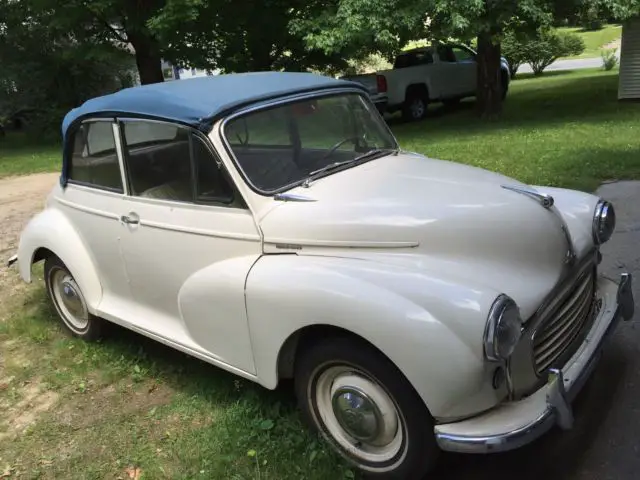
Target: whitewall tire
[[69, 301], [365, 408]]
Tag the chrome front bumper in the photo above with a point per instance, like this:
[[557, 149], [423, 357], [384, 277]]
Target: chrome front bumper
[[515, 424], [13, 259]]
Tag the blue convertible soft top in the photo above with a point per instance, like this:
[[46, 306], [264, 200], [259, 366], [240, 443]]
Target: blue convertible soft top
[[198, 102]]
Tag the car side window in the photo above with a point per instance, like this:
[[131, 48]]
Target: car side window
[[445, 53], [413, 59], [167, 162], [462, 55], [94, 160], [212, 186], [158, 158]]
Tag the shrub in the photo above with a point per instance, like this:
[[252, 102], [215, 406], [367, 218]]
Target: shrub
[[609, 58], [514, 48], [549, 45]]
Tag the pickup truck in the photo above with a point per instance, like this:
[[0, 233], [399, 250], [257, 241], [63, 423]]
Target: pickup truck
[[442, 73], [377, 87]]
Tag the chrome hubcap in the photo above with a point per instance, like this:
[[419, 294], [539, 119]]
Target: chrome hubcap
[[359, 414], [356, 413], [69, 300]]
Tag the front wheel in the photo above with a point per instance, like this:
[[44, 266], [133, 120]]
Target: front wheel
[[365, 408]]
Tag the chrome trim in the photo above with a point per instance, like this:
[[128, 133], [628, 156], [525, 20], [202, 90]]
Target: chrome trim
[[120, 154], [501, 303], [12, 259], [545, 200], [601, 212], [292, 197], [581, 298], [559, 411], [362, 421], [624, 297], [559, 291], [282, 101]]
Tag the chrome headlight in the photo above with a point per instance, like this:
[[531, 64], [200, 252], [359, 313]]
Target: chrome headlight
[[503, 330], [604, 222]]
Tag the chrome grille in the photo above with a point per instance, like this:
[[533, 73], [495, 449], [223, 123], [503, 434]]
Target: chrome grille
[[561, 328]]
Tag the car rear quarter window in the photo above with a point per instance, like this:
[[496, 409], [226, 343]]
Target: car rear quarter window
[[94, 161]]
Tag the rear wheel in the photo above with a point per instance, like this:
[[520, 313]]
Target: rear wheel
[[505, 83], [365, 408], [415, 104], [69, 301]]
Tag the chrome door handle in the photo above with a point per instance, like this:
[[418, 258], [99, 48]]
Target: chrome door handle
[[130, 219]]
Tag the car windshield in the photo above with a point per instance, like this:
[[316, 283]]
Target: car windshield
[[285, 145]]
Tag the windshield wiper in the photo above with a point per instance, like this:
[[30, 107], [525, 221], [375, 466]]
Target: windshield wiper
[[359, 158], [374, 151], [331, 166]]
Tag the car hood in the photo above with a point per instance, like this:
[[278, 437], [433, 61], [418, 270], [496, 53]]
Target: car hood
[[456, 216]]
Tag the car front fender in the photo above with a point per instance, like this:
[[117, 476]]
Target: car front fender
[[52, 230], [430, 328]]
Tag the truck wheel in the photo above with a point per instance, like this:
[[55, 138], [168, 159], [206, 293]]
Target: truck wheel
[[365, 408], [67, 298], [415, 105], [505, 83]]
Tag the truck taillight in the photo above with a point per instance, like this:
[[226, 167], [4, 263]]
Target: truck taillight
[[382, 83]]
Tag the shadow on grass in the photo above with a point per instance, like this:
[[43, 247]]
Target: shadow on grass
[[548, 74], [245, 416]]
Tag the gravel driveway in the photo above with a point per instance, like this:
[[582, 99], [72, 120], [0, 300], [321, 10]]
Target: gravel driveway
[[604, 443], [20, 199]]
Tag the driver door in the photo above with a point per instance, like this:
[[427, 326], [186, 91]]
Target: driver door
[[188, 242], [467, 69]]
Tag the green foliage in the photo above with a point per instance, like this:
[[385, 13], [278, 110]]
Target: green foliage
[[609, 58], [251, 35], [540, 49], [515, 47], [46, 70], [590, 15]]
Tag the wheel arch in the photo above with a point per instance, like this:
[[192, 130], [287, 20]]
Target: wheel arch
[[417, 87], [292, 299], [50, 233], [309, 335]]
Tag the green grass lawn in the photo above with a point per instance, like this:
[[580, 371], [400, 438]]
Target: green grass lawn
[[21, 155], [561, 129], [595, 40], [128, 405]]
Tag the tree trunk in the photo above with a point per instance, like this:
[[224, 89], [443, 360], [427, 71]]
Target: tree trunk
[[148, 58], [489, 96]]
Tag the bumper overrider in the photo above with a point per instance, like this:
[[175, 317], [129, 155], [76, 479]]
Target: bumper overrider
[[514, 424]]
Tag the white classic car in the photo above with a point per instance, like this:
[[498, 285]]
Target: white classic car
[[269, 224]]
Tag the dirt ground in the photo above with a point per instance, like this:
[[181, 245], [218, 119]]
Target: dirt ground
[[20, 199]]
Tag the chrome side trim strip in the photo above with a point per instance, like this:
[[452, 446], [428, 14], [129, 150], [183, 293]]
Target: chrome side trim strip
[[292, 197]]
